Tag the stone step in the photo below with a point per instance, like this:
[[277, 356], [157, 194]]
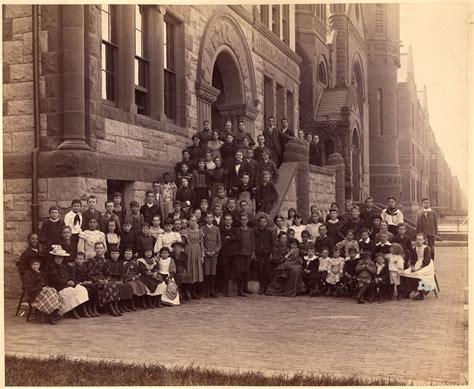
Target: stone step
[[454, 236]]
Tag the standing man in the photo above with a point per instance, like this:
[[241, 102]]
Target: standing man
[[272, 140], [196, 152], [392, 215], [427, 222], [314, 152], [242, 134], [285, 133], [206, 134]]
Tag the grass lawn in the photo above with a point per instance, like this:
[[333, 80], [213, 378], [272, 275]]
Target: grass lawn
[[61, 371]]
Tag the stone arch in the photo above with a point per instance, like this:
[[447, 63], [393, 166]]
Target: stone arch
[[223, 30], [224, 43]]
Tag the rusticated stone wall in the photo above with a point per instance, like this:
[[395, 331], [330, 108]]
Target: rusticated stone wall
[[322, 187], [290, 199]]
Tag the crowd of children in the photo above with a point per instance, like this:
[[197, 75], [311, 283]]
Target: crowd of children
[[191, 236]]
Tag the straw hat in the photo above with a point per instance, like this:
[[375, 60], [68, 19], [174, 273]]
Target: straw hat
[[58, 251]]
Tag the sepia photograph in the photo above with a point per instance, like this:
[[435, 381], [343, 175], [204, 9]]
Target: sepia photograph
[[236, 195]]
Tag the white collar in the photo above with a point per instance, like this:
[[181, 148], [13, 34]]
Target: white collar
[[365, 241], [385, 244]]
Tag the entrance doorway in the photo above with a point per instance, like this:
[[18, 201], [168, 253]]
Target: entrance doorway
[[227, 77]]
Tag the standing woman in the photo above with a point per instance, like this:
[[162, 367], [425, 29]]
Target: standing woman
[[71, 294], [215, 144], [420, 276], [194, 249]]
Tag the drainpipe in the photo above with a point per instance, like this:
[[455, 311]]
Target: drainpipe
[[36, 120]]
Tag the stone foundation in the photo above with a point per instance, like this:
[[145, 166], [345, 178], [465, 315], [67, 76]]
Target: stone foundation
[[322, 187]]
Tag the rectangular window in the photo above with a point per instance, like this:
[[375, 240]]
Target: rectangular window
[[280, 91], [276, 19], [413, 155], [109, 52], [170, 69], [267, 100], [265, 15], [290, 108], [285, 23], [141, 60]]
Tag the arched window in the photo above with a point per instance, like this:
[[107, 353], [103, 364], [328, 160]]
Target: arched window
[[380, 104], [359, 80], [322, 74]]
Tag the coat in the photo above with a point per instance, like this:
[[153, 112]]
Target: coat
[[33, 282], [150, 212], [230, 242], [272, 142], [246, 247], [263, 241], [427, 222], [211, 238]]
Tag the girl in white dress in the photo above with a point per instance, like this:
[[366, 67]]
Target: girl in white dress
[[167, 238]]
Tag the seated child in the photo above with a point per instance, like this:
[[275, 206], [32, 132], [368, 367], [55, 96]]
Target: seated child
[[335, 269], [321, 275], [266, 194], [396, 264], [71, 294], [78, 274], [148, 269], [365, 243], [42, 297], [116, 275], [347, 284], [182, 276], [98, 272], [305, 244], [347, 243], [381, 277], [131, 276], [365, 270], [310, 269], [384, 246], [167, 270]]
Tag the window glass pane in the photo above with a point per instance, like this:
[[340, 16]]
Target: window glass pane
[[105, 26]]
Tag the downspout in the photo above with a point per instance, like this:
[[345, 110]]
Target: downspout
[[36, 121]]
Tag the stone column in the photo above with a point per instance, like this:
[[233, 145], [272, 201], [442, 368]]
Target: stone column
[[157, 106], [297, 150], [336, 162], [127, 59], [74, 130], [206, 96]]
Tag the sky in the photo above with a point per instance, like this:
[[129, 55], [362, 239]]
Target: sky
[[438, 35]]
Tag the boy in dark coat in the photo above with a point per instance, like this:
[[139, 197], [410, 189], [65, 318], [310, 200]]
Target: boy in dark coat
[[242, 261], [263, 250], [381, 286], [365, 243], [405, 242], [323, 240], [228, 251], [266, 194], [51, 230], [310, 270], [150, 209]]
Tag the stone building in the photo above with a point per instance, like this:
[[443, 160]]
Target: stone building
[[99, 99]]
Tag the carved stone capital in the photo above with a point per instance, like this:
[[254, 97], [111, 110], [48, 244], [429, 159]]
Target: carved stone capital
[[206, 92], [241, 110]]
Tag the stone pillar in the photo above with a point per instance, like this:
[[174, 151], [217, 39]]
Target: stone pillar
[[157, 78], [74, 125], [236, 112], [127, 58], [206, 96], [336, 162], [297, 150]]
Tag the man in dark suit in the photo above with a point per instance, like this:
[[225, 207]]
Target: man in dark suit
[[272, 140], [286, 133], [236, 170]]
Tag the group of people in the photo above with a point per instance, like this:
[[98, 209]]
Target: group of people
[[186, 242]]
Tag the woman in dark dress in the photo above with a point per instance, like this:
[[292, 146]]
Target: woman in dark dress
[[287, 279]]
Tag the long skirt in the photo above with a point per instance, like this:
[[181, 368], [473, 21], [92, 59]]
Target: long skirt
[[71, 297], [169, 300], [194, 267], [152, 284], [183, 278], [125, 290], [138, 288], [47, 301], [287, 282], [108, 292]]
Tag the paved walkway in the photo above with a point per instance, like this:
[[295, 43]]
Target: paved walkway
[[419, 341]]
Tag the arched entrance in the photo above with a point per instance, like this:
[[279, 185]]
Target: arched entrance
[[225, 84], [227, 78], [356, 168]]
